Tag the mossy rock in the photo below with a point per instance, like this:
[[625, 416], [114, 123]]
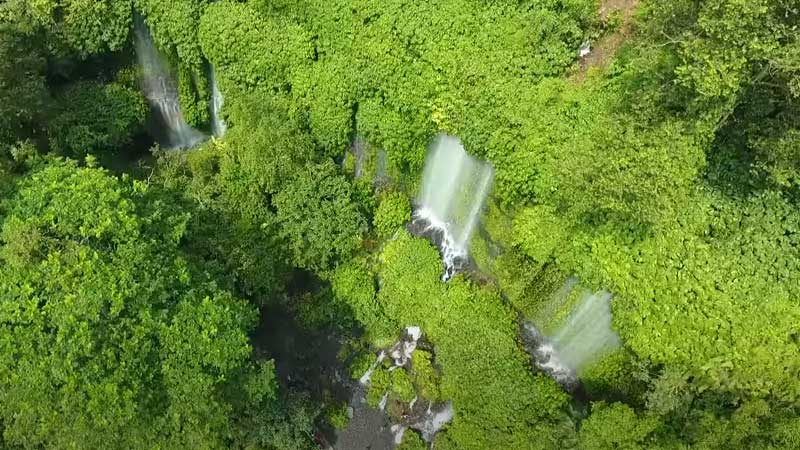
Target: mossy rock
[[378, 385], [395, 408], [360, 364], [402, 387], [412, 441]]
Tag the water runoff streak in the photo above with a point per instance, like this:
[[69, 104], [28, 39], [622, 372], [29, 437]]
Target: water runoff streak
[[218, 126], [159, 87], [454, 189]]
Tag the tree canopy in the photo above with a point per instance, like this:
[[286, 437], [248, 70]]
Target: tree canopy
[[107, 329]]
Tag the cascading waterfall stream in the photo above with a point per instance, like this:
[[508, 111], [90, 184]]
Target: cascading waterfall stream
[[454, 189], [585, 337], [159, 87]]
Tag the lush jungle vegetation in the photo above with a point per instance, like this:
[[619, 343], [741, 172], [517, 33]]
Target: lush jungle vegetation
[[664, 167]]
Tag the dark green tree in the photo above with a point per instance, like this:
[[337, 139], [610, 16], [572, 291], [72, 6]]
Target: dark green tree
[[320, 221], [23, 92], [73, 26], [95, 118]]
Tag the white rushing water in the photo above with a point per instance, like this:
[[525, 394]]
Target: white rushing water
[[585, 337], [454, 189], [159, 87], [434, 419], [218, 126], [400, 353]]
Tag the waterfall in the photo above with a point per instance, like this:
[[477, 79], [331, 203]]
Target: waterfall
[[160, 88], [454, 188], [584, 338], [218, 126]]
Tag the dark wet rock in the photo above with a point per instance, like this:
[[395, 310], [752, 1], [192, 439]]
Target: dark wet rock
[[454, 261], [368, 429]]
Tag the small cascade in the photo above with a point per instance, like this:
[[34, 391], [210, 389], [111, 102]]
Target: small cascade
[[368, 374], [454, 189], [218, 126], [159, 87], [545, 357], [425, 416], [585, 337], [400, 353], [402, 350], [435, 417]]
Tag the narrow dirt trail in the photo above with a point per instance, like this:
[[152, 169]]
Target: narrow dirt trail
[[604, 50]]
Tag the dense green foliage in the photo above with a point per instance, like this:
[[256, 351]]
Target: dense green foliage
[[319, 220], [73, 26], [106, 329], [393, 212], [667, 173], [499, 402], [94, 118]]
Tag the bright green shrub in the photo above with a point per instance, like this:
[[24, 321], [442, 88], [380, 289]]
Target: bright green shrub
[[337, 416], [615, 426], [394, 211], [534, 220], [379, 383], [319, 220], [355, 286], [252, 49], [426, 377]]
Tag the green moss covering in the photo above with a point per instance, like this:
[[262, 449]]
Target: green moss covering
[[614, 377], [554, 312], [349, 163], [360, 365], [194, 95], [526, 283]]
